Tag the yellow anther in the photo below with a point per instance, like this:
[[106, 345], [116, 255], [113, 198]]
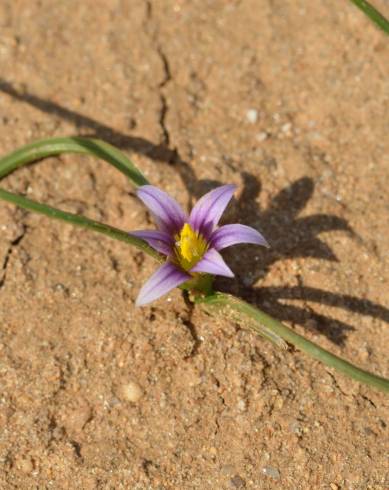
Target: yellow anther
[[190, 247]]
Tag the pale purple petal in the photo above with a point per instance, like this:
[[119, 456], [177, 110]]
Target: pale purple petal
[[213, 263], [166, 211], [159, 240], [228, 235], [207, 211], [167, 277]]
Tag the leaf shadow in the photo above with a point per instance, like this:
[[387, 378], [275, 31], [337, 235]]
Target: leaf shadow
[[290, 236]]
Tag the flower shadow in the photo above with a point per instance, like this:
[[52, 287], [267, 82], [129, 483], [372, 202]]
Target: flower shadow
[[290, 236]]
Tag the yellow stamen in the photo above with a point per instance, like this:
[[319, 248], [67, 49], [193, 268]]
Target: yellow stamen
[[190, 247]]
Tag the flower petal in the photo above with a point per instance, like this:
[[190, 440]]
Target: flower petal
[[167, 212], [160, 240], [228, 235], [207, 211], [213, 263], [167, 277]]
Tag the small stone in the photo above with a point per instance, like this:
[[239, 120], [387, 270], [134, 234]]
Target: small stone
[[61, 288], [252, 116], [237, 482], [213, 451], [131, 392], [278, 403], [242, 405], [334, 486], [25, 465], [262, 136], [272, 472], [227, 470]]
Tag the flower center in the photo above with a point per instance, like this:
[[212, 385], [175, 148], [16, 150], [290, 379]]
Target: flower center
[[190, 247]]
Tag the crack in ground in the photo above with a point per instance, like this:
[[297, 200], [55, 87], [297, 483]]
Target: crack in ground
[[13, 244], [166, 67], [332, 376], [223, 406], [167, 76], [77, 449], [367, 399], [196, 341], [162, 119], [188, 323]]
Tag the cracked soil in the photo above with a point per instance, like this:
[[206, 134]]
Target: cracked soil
[[286, 99]]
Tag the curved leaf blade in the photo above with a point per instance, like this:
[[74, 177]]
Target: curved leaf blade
[[80, 221], [373, 14], [279, 329], [73, 144]]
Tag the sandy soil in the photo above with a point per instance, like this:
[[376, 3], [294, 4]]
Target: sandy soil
[[288, 100]]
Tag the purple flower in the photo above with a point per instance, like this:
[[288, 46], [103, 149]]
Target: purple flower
[[191, 244]]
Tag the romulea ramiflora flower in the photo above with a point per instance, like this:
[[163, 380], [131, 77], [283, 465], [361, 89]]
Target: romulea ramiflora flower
[[191, 243]]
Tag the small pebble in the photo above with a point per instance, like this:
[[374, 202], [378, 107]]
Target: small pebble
[[261, 136], [242, 405], [237, 482], [131, 392], [25, 465], [272, 472], [227, 469], [279, 402], [252, 116]]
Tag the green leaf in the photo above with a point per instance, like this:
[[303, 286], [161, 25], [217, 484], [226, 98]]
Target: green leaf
[[229, 302], [55, 146], [93, 147], [80, 221], [373, 14]]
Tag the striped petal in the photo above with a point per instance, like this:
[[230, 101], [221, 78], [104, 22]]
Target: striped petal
[[228, 235], [167, 277], [207, 211], [166, 211], [213, 263], [159, 240]]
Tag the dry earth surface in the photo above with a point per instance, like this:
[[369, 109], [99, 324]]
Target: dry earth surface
[[288, 100]]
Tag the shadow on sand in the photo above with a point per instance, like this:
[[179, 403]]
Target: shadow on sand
[[289, 235]]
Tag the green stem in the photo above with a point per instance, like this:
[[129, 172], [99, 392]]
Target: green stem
[[313, 350], [373, 14], [80, 221]]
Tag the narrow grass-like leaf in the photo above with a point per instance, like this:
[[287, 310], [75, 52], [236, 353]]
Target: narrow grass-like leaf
[[227, 301], [244, 321], [93, 147], [80, 221], [267, 326], [373, 14], [55, 146]]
